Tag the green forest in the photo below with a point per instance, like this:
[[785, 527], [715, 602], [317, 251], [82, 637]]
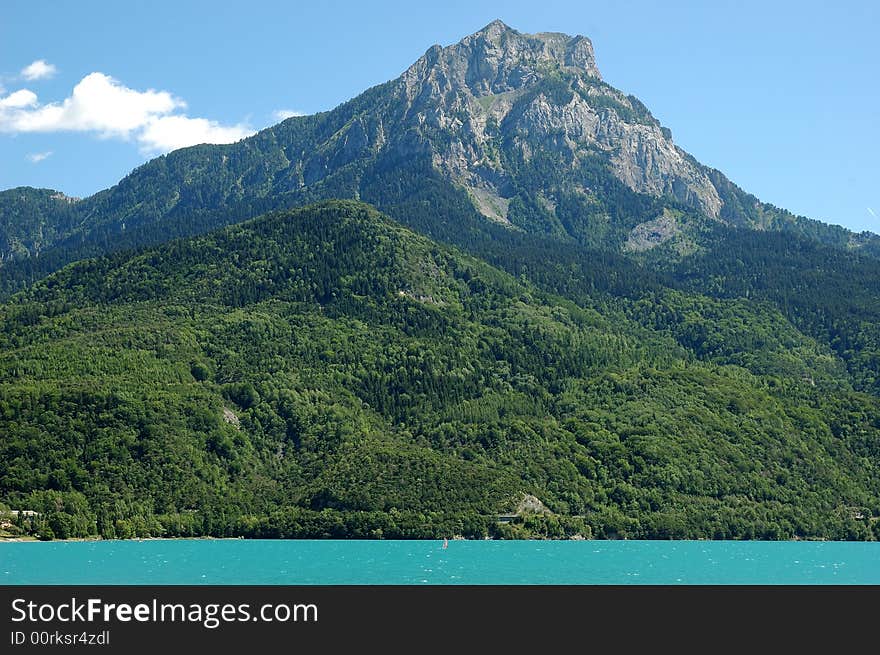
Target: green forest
[[327, 372]]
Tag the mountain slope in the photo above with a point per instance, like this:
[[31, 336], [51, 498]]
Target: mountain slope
[[33, 219], [520, 125], [327, 372]]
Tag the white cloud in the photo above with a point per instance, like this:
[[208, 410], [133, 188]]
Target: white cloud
[[18, 100], [37, 157], [98, 104], [38, 70], [171, 132], [103, 106], [871, 211], [282, 114]]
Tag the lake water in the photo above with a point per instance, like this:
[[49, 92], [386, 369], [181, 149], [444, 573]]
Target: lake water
[[427, 562]]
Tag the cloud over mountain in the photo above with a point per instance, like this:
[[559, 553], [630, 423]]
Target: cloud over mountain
[[101, 105]]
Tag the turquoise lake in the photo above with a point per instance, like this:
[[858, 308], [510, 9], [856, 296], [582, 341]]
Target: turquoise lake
[[427, 562]]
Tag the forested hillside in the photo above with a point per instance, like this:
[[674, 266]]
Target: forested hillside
[[327, 372]]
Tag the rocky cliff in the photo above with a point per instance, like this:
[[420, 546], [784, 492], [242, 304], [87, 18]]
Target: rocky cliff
[[528, 92]]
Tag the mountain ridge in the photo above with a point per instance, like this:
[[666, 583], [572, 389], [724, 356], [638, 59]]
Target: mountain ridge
[[523, 124]]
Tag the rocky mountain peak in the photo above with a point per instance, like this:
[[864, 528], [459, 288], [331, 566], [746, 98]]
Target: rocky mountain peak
[[498, 59], [502, 90], [575, 52], [494, 30]]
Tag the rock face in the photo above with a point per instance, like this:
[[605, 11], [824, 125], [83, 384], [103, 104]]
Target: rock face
[[495, 60], [530, 504], [500, 96], [484, 108], [647, 162], [651, 234]]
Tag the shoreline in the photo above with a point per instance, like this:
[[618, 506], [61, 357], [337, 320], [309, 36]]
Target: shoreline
[[99, 539], [438, 539]]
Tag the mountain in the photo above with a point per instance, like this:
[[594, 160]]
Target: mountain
[[517, 128], [328, 372], [556, 313]]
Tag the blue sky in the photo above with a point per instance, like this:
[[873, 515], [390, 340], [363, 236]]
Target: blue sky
[[781, 96]]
